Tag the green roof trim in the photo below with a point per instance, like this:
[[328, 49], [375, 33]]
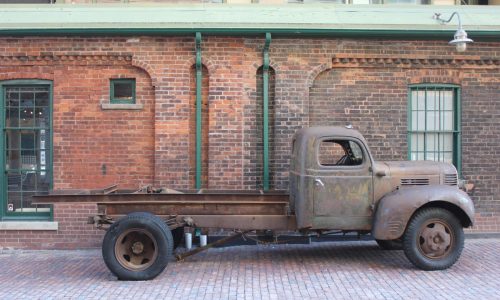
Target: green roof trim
[[408, 21]]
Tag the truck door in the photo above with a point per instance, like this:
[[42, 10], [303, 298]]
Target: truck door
[[342, 185]]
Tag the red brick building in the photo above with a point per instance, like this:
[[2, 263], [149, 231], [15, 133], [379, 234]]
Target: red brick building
[[101, 95]]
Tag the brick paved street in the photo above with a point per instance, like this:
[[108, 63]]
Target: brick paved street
[[328, 270]]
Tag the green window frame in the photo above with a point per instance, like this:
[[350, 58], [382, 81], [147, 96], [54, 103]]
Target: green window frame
[[34, 163], [434, 123], [122, 91]]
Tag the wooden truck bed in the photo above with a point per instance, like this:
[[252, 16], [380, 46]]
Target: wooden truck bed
[[245, 210]]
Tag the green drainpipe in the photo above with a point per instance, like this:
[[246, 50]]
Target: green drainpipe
[[265, 96], [198, 110]]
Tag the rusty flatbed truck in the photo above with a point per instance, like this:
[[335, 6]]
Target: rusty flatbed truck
[[334, 185]]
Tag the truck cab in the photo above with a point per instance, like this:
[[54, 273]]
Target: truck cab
[[331, 179], [335, 184]]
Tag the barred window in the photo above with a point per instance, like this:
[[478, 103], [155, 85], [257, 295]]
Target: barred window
[[434, 123], [26, 163]]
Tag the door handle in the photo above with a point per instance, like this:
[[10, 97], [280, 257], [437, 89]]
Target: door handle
[[318, 182]]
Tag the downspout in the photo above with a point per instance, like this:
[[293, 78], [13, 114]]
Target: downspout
[[265, 97], [198, 110]]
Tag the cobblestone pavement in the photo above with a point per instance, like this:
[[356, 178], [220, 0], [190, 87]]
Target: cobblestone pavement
[[327, 270]]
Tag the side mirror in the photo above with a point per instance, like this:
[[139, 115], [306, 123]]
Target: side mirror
[[380, 173]]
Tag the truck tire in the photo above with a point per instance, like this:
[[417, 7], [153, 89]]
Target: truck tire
[[137, 247], [390, 244], [434, 239]]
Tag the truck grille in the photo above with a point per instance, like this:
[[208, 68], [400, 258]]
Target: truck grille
[[450, 179], [415, 181]]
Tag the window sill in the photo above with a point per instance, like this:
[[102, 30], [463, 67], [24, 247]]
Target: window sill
[[28, 225], [121, 106]]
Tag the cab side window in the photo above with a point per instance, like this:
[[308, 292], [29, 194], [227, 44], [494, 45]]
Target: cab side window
[[339, 153]]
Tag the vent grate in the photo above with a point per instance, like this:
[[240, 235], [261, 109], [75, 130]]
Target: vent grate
[[415, 181], [450, 179]]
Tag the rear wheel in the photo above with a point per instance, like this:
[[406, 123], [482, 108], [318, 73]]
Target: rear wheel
[[434, 239], [137, 247]]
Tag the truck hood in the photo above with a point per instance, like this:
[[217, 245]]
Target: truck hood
[[409, 172], [421, 167]]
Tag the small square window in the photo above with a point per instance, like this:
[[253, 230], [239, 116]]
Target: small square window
[[122, 91]]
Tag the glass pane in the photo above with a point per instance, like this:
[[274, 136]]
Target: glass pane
[[14, 202], [42, 99], [123, 90], [28, 160], [414, 120], [12, 117], [417, 142], [11, 97], [14, 181], [29, 181], [431, 100], [448, 100], [420, 120], [330, 153], [27, 117], [420, 156], [432, 122], [27, 99], [414, 139], [431, 142], [440, 156], [42, 115], [447, 120], [43, 139], [42, 159], [421, 100], [414, 100], [27, 139], [13, 159], [42, 182], [431, 156], [447, 142], [27, 199], [356, 150], [340, 153]]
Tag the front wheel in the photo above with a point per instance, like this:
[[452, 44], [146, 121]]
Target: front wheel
[[137, 247], [434, 239]]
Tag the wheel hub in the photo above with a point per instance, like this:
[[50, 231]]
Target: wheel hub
[[137, 248], [435, 239]]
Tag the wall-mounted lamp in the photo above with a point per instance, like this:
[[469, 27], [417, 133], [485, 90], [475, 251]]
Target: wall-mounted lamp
[[460, 39]]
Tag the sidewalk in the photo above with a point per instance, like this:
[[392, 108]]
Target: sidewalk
[[327, 270]]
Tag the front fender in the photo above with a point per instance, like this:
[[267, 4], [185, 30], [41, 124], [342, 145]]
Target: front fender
[[396, 208]]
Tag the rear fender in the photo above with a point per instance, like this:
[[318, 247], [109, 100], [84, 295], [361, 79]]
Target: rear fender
[[396, 208]]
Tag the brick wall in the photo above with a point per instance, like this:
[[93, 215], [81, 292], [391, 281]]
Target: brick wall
[[73, 231], [316, 82]]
